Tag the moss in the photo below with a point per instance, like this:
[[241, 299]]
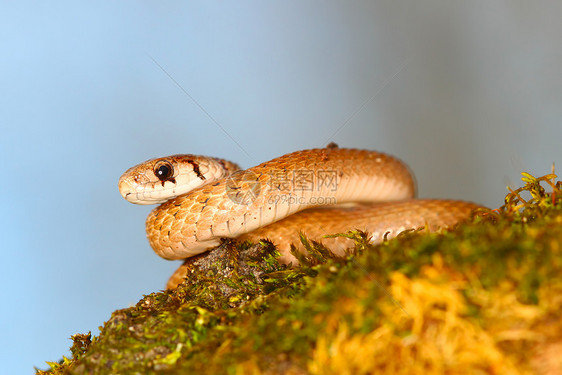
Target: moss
[[483, 297]]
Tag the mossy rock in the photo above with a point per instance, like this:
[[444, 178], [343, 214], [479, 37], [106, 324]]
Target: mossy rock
[[482, 298]]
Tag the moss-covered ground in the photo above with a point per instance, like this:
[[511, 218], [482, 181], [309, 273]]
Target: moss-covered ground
[[483, 298]]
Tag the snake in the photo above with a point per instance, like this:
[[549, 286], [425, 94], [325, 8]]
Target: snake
[[203, 200]]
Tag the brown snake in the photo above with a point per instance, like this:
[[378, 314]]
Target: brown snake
[[205, 199]]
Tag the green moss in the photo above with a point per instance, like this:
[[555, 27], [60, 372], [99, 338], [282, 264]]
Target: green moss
[[239, 311]]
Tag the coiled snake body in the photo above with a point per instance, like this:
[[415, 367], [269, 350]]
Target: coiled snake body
[[319, 192]]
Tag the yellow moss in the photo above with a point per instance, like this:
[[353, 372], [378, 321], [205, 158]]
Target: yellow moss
[[424, 331], [248, 368]]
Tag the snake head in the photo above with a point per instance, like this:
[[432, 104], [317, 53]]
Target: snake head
[[161, 179]]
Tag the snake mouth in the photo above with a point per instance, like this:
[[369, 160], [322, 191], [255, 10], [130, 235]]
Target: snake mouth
[[128, 190], [130, 196]]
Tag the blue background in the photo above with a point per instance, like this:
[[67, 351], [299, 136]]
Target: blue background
[[467, 93]]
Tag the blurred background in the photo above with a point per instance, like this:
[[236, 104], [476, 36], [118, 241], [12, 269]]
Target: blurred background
[[467, 93]]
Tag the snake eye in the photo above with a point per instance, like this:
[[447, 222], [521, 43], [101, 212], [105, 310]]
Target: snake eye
[[164, 171]]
